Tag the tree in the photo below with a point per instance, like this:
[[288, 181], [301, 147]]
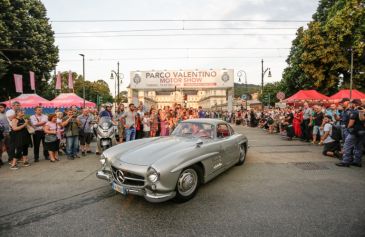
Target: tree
[[269, 93], [123, 97], [92, 89], [27, 40], [321, 53], [294, 77]]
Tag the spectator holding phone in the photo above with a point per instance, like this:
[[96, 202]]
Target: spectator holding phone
[[71, 132]]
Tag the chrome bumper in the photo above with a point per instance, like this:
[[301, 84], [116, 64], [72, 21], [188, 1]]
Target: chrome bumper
[[149, 195]]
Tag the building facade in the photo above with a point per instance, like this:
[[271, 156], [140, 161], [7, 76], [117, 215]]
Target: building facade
[[191, 88], [206, 98]]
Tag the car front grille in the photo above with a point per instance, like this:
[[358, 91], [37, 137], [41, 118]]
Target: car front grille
[[127, 178]]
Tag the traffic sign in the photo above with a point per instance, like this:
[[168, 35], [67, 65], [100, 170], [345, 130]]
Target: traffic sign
[[280, 95]]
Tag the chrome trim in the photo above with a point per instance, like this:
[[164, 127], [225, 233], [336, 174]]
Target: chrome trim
[[102, 175], [159, 197]]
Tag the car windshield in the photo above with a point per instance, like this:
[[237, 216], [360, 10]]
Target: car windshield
[[190, 129]]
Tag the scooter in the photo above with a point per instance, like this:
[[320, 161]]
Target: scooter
[[105, 133]]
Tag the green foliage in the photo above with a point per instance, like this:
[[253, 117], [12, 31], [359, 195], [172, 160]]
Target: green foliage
[[269, 93], [123, 97], [321, 53], [92, 88], [27, 40], [240, 89]]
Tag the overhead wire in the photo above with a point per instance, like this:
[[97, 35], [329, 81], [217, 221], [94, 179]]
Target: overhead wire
[[178, 20]]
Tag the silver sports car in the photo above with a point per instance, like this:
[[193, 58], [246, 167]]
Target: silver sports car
[[162, 168]]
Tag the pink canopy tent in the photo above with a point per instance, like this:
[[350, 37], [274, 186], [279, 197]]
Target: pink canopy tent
[[70, 99], [30, 101], [346, 94], [306, 95]]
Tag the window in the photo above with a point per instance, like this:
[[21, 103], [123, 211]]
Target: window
[[223, 131]]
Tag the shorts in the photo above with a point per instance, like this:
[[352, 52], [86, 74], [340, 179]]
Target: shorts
[[86, 138], [332, 147], [316, 130], [121, 131]]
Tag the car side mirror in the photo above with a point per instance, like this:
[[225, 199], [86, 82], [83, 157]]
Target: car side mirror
[[199, 143]]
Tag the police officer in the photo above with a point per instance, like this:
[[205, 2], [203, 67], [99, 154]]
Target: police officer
[[345, 116], [352, 146]]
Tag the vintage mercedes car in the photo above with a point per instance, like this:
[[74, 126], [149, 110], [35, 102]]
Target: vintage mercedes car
[[162, 168]]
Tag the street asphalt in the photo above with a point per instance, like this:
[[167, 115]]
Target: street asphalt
[[285, 188]]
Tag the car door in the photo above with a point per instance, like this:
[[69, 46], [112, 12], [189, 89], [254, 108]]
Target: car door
[[227, 144]]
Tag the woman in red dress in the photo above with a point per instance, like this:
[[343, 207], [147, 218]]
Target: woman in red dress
[[298, 117]]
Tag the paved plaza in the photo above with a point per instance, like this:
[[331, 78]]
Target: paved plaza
[[285, 188]]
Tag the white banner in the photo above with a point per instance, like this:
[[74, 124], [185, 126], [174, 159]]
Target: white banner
[[169, 79]]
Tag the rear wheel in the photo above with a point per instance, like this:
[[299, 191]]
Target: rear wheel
[[242, 155], [188, 183]]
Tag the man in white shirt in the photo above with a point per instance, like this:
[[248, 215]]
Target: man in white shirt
[[38, 120], [331, 147]]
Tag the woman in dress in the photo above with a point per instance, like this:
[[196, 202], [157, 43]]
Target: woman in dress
[[20, 138], [154, 123], [298, 117], [163, 124], [53, 129]]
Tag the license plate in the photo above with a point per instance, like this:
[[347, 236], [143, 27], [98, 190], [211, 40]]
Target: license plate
[[119, 188], [104, 143]]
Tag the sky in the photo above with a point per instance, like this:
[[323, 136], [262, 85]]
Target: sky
[[180, 44]]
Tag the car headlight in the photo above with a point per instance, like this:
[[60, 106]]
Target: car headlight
[[152, 175], [102, 159]]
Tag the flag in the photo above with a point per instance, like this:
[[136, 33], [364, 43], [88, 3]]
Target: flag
[[58, 81], [70, 80], [18, 79], [32, 80]]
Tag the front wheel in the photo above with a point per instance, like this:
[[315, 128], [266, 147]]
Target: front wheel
[[242, 155], [188, 183]]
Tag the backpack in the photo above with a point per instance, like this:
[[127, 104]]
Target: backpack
[[336, 132]]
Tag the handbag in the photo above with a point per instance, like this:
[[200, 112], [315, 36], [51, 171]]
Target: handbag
[[82, 130], [30, 129], [51, 137]]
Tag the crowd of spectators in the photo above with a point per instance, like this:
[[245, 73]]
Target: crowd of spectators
[[339, 128]]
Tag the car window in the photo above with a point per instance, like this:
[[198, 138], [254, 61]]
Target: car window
[[186, 129], [223, 131], [231, 129]]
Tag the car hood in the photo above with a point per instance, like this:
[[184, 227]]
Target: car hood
[[147, 151]]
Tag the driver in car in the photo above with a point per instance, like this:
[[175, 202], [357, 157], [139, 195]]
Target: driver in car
[[199, 131]]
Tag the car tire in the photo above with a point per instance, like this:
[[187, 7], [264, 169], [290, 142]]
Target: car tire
[[188, 183], [243, 153]]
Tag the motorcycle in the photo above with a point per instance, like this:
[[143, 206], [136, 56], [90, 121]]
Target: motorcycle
[[105, 133]]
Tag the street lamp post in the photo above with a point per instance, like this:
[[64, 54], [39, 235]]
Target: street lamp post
[[351, 71], [263, 74], [239, 74], [118, 76], [83, 76]]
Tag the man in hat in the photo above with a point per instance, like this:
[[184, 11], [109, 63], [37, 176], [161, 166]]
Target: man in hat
[[352, 146]]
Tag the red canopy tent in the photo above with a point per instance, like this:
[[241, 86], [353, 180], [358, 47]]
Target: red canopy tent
[[346, 94], [70, 99], [306, 95], [30, 101]]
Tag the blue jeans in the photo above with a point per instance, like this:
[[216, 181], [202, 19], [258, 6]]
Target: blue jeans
[[130, 134], [72, 145], [352, 142]]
